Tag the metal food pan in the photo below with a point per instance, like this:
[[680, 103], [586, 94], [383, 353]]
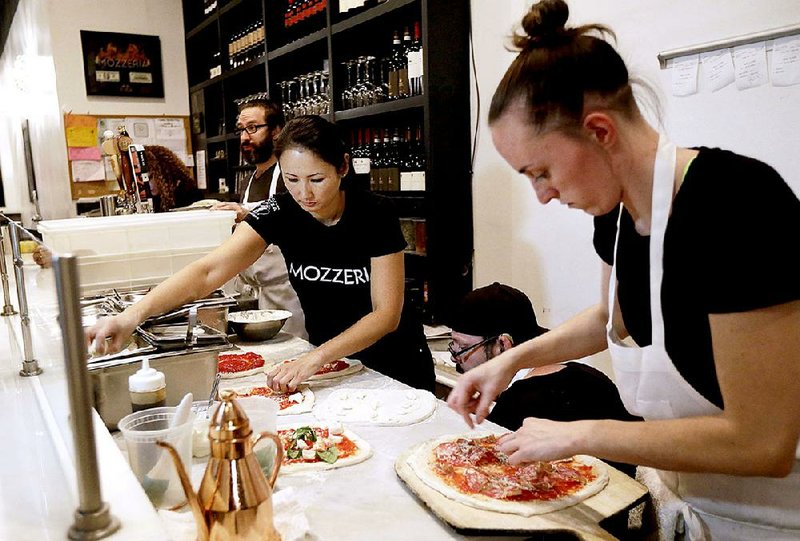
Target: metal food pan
[[185, 371]]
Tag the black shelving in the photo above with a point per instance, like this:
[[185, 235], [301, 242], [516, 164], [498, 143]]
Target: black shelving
[[442, 267]]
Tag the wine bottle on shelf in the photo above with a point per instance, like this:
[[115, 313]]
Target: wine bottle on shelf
[[398, 70], [361, 159], [376, 162], [393, 163], [414, 57]]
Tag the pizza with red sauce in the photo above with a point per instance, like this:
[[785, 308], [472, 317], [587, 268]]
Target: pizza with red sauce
[[300, 401], [472, 471], [309, 447], [235, 365]]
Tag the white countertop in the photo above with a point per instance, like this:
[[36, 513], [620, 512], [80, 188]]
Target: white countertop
[[37, 468], [38, 497]]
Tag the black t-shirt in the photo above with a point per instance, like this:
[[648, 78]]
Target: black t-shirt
[[329, 268], [727, 248], [575, 392]]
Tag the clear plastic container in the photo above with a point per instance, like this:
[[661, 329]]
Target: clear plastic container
[[151, 464]]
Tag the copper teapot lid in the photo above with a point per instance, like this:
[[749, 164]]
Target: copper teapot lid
[[229, 421]]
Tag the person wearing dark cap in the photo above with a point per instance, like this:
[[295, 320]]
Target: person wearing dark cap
[[495, 318]]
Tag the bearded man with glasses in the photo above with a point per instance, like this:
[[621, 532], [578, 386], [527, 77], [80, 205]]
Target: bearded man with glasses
[[258, 124], [495, 318]]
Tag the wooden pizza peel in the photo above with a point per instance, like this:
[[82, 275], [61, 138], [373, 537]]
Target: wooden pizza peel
[[582, 519]]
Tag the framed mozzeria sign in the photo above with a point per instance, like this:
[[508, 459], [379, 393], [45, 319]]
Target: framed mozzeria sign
[[117, 64]]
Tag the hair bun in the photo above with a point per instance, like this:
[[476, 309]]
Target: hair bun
[[545, 19]]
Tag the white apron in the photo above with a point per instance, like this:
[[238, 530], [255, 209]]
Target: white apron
[[701, 506], [269, 277]]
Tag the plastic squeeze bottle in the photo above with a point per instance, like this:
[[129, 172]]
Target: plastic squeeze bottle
[[147, 387]]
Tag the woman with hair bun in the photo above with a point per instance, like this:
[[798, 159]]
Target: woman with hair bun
[[344, 252], [702, 297]]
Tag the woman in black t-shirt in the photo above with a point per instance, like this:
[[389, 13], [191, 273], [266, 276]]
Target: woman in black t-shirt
[[701, 297], [344, 253]]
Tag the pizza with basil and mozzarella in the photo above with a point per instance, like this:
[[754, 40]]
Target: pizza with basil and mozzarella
[[469, 469], [317, 447]]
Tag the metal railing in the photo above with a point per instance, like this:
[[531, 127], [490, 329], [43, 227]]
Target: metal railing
[[92, 519]]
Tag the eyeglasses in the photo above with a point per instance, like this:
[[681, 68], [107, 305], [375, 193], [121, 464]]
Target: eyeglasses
[[251, 129], [467, 350]]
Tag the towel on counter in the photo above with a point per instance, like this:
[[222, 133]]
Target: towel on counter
[[290, 519]]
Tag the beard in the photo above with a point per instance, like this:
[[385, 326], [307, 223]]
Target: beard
[[255, 153]]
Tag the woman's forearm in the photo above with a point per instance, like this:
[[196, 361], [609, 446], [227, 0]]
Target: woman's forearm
[[696, 444], [362, 334]]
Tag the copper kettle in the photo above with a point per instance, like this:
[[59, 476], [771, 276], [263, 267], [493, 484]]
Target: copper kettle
[[235, 497]]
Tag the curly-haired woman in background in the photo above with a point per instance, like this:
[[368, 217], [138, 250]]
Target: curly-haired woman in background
[[174, 184]]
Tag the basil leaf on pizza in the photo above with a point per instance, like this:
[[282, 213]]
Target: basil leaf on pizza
[[469, 469]]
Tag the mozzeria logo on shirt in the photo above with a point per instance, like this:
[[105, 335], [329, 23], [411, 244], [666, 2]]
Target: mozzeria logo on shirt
[[312, 273]]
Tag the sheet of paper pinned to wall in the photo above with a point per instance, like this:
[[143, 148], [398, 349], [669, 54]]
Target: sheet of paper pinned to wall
[[785, 66], [684, 75], [142, 130], [717, 68], [87, 170], [750, 65]]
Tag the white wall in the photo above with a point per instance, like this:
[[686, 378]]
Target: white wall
[[546, 250], [48, 31]]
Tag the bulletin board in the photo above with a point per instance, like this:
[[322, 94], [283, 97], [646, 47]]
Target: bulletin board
[[89, 174]]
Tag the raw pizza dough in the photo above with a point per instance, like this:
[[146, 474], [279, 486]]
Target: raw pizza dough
[[420, 462], [303, 397], [364, 452], [383, 407]]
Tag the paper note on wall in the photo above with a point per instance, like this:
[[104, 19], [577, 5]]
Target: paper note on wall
[[750, 63], [87, 170], [717, 68], [684, 75], [79, 121], [80, 136], [84, 153], [141, 130], [785, 67], [170, 128]]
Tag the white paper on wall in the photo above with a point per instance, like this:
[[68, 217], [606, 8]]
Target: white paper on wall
[[142, 130], [717, 68], [87, 170], [785, 66], [750, 65], [684, 75]]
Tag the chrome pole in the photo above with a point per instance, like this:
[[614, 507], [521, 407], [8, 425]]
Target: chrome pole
[[93, 519], [30, 366], [8, 308]]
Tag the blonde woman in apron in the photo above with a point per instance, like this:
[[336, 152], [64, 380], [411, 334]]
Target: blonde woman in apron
[[722, 467]]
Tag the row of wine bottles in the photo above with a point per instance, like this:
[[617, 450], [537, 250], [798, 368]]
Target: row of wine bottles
[[393, 161], [302, 17], [371, 80], [247, 44]]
